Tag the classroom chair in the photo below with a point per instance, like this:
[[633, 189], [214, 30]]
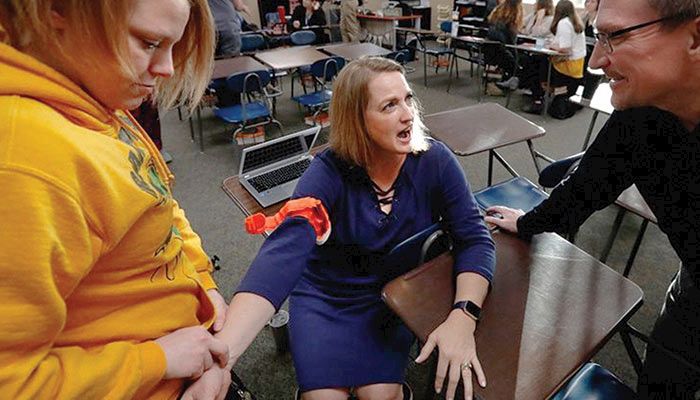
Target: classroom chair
[[323, 72], [254, 106]]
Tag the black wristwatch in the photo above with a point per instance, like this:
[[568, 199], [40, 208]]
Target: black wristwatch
[[468, 307]]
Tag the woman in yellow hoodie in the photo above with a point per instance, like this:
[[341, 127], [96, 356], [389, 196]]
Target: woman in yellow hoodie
[[106, 290]]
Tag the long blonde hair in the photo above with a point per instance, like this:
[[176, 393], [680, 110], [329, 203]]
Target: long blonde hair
[[105, 22], [349, 135]]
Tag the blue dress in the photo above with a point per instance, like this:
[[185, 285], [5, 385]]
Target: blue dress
[[341, 333]]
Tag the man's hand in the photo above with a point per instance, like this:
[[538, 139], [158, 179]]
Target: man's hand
[[213, 384], [220, 306], [191, 351], [504, 217]]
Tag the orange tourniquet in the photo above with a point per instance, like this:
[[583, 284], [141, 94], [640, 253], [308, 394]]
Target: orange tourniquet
[[307, 207]]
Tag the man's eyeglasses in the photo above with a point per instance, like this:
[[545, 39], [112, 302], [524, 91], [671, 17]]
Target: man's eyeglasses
[[604, 38]]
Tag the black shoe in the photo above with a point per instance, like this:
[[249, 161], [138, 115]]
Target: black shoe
[[535, 107]]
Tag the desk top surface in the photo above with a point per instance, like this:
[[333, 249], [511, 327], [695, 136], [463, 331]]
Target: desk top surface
[[481, 127], [474, 39], [600, 101], [388, 17], [235, 65], [551, 308], [353, 51], [530, 47], [290, 57]]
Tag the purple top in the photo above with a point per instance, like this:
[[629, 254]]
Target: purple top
[[348, 269]]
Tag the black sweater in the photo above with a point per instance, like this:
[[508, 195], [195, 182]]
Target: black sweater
[[644, 146]]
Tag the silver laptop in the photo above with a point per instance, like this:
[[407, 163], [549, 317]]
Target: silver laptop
[[270, 171]]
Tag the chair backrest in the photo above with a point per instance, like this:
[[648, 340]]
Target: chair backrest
[[446, 26], [247, 82], [303, 37], [400, 56], [421, 247], [252, 42], [272, 18], [328, 68]]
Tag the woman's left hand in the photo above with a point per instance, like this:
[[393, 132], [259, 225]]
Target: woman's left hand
[[220, 306], [454, 339]]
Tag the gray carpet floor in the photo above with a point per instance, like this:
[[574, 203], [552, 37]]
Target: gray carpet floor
[[214, 216]]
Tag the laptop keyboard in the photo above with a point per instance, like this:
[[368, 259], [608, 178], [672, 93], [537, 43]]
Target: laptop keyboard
[[279, 176]]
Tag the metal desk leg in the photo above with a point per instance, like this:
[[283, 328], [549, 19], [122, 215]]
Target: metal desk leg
[[491, 153], [482, 74], [590, 130], [549, 87], [533, 153], [425, 67], [505, 165], [449, 79], [191, 123], [613, 233], [635, 248]]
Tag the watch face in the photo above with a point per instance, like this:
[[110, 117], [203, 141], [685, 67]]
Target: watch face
[[472, 309]]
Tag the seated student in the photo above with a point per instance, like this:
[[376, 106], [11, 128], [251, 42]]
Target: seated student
[[107, 290], [381, 181], [539, 22], [310, 14], [504, 24], [591, 10], [566, 70]]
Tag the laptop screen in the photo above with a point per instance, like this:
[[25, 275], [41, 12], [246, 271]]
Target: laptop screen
[[277, 151]]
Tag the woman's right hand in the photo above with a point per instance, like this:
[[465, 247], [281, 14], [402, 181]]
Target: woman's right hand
[[189, 352], [504, 217]]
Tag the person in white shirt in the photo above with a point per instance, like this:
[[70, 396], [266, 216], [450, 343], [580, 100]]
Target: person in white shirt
[[567, 70]]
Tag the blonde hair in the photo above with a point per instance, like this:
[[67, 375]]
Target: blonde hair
[[105, 22], [349, 136]]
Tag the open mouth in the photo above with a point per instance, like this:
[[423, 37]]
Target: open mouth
[[405, 134]]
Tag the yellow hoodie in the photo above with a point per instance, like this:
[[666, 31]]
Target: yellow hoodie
[[96, 258]]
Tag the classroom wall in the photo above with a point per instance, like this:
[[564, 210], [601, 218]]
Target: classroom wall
[[254, 11]]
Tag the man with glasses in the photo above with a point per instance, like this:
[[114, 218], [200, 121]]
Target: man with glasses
[[650, 50]]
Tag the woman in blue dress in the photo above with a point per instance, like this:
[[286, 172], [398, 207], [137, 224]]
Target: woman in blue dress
[[380, 182]]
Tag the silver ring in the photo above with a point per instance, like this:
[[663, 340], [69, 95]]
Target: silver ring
[[465, 365]]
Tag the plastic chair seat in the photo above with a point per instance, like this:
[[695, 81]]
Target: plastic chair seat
[[437, 50], [315, 99], [234, 114], [593, 382], [516, 193]]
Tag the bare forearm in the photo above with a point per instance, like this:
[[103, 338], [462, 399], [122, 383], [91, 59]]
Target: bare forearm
[[246, 316], [471, 286]]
